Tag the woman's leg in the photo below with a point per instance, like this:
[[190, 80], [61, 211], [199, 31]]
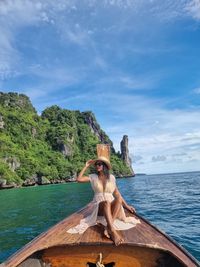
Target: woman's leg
[[105, 210], [116, 207]]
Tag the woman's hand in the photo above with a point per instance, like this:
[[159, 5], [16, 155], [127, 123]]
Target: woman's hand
[[131, 209], [89, 162]]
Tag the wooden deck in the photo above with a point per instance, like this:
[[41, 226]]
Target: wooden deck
[[143, 236]]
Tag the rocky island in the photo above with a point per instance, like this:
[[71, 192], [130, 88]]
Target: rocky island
[[51, 147]]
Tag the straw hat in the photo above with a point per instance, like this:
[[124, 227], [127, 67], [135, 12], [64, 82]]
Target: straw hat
[[103, 154]]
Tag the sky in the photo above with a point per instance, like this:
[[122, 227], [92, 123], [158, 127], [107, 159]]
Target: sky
[[134, 63]]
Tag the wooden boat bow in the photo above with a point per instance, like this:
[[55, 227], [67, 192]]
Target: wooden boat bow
[[142, 241]]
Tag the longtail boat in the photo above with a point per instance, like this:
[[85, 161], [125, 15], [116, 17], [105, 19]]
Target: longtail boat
[[144, 246]]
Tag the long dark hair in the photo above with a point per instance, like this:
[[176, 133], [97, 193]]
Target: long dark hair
[[106, 171]]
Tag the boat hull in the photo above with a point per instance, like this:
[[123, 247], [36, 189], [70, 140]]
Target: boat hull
[[143, 246], [89, 255]]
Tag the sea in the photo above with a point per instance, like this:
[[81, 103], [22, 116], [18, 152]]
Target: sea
[[169, 201]]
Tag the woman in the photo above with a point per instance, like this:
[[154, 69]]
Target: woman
[[108, 203]]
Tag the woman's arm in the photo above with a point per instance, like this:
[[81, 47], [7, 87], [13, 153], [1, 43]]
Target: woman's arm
[[81, 178], [124, 204]]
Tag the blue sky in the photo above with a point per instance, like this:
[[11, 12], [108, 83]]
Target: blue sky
[[134, 63]]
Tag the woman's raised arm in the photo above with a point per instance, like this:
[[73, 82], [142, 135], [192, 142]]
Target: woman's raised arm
[[81, 178]]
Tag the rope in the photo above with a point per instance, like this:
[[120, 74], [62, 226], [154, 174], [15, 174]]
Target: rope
[[99, 263]]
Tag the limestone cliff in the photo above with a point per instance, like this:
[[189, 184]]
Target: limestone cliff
[[53, 146], [90, 120], [125, 153]]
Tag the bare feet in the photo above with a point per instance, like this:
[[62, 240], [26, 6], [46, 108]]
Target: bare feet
[[105, 232], [116, 238]]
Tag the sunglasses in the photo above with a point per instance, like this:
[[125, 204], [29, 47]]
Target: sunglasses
[[99, 164]]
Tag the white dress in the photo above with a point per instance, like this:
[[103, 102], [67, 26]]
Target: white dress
[[121, 223]]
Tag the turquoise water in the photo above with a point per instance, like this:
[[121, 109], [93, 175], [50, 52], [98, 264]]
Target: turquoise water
[[169, 201]]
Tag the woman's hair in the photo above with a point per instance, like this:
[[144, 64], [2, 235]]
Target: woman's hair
[[106, 171]]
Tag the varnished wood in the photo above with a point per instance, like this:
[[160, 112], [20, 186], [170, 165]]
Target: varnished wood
[[144, 235], [79, 256]]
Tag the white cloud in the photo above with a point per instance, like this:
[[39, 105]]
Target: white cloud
[[8, 55], [176, 133], [147, 122], [47, 84], [193, 9], [36, 93], [197, 90], [76, 35], [14, 15], [159, 158], [116, 79], [74, 21], [136, 158], [55, 74], [100, 62]]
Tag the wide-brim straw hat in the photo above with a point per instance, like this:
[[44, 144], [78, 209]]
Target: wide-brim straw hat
[[103, 154]]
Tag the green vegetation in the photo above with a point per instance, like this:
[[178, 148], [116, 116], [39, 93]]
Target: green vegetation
[[52, 146]]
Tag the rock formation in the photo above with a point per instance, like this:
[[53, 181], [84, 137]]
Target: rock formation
[[34, 132], [125, 153], [2, 123], [65, 149], [53, 145], [96, 129], [12, 162]]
